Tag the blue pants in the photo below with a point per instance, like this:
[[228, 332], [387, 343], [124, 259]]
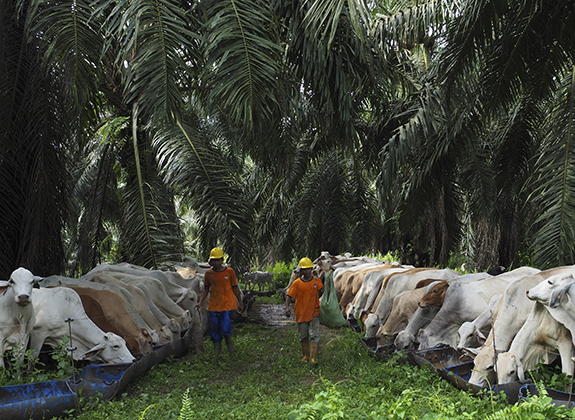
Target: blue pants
[[220, 325]]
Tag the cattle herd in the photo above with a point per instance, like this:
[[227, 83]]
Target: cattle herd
[[508, 321], [115, 313]]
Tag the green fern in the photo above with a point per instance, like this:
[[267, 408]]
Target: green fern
[[187, 412], [535, 407]]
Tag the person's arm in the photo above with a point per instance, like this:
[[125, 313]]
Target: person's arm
[[236, 290], [203, 296], [288, 300]]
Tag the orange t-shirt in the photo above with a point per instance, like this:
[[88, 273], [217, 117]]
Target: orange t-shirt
[[222, 297], [306, 295]]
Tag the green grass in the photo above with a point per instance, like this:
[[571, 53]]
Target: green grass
[[265, 379]]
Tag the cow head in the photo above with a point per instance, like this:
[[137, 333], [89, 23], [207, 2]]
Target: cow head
[[111, 349], [21, 281], [483, 373], [435, 296], [509, 368], [469, 335], [551, 291]]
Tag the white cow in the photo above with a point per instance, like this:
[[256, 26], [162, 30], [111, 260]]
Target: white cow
[[558, 296], [510, 315], [464, 301], [372, 281], [474, 333], [404, 306], [420, 318], [538, 340], [261, 278], [136, 304], [398, 283], [56, 304], [156, 293], [16, 311], [183, 293]]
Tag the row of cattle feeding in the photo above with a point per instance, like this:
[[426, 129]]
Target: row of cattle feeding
[[115, 313], [507, 321]]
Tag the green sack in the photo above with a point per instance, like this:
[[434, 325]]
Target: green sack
[[329, 312]]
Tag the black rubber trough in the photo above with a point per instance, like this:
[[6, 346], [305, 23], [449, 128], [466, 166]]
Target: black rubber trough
[[45, 400], [455, 367]]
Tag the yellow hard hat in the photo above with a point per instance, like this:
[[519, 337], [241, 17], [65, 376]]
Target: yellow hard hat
[[305, 262], [216, 253]]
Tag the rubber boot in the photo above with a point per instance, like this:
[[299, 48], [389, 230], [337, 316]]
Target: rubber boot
[[218, 347], [313, 351], [304, 350], [230, 344]]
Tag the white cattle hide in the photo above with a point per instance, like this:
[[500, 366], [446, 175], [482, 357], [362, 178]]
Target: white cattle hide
[[510, 315], [398, 283], [473, 334], [404, 306], [537, 341], [372, 281], [16, 312], [259, 278], [138, 310], [464, 301], [56, 304]]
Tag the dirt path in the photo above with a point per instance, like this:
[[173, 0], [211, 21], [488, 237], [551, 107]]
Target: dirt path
[[273, 315], [270, 314]]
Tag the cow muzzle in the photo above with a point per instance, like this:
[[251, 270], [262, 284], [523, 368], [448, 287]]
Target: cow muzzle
[[23, 300]]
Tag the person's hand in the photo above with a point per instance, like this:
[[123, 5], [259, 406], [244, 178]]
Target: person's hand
[[240, 307], [288, 312]]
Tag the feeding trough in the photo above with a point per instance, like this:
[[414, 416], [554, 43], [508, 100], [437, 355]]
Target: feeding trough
[[438, 357], [44, 400], [558, 398]]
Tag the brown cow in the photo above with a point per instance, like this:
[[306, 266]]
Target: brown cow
[[115, 311], [348, 283], [435, 296], [96, 314], [404, 306]]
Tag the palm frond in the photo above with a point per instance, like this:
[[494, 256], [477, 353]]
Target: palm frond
[[96, 196], [243, 60], [72, 42], [323, 17], [404, 25], [554, 238], [198, 171], [33, 198], [159, 47], [150, 226]]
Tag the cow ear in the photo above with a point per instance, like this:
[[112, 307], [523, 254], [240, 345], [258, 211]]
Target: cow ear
[[184, 294], [94, 351], [480, 337], [557, 295], [471, 352], [520, 371]]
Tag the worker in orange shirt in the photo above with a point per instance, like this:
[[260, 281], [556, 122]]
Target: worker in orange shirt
[[221, 284], [306, 290]]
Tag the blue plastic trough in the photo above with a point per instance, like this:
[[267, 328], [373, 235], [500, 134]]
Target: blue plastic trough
[[45, 400], [558, 398]]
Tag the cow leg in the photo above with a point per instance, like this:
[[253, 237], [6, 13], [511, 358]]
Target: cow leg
[[566, 353]]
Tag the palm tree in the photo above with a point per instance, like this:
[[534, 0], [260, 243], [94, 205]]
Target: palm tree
[[33, 201], [484, 109]]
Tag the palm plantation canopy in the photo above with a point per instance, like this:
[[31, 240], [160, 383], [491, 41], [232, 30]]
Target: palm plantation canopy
[[143, 131]]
